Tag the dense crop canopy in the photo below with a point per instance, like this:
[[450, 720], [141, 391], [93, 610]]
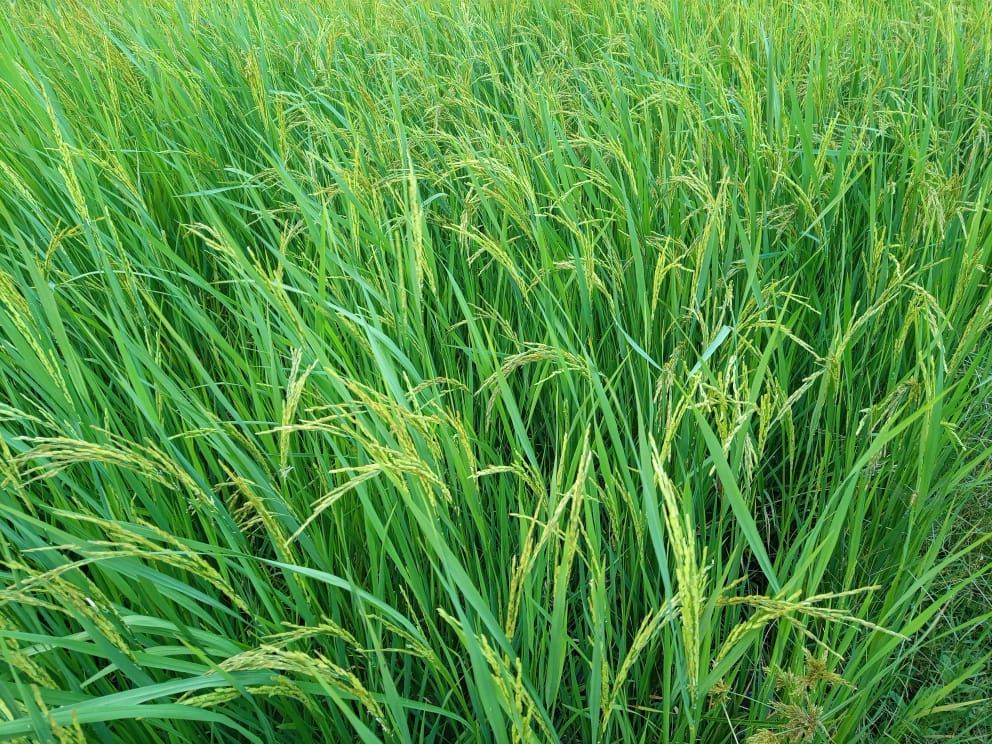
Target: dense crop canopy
[[498, 371]]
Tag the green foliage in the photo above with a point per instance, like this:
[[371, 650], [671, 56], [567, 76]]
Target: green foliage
[[504, 371]]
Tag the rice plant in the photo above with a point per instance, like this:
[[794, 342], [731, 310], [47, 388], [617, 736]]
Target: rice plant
[[505, 371]]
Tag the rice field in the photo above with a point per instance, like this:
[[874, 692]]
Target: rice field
[[497, 371]]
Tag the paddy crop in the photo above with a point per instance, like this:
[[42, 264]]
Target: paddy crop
[[497, 371]]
